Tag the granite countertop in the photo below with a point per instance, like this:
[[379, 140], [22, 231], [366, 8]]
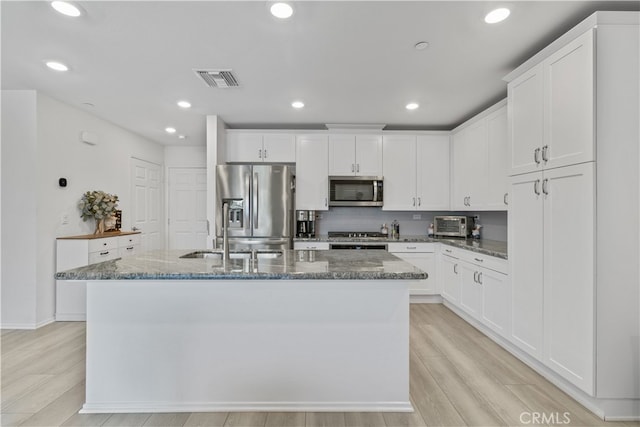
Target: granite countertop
[[494, 248], [291, 265]]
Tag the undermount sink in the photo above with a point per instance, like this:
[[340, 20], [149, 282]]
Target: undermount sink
[[260, 253]]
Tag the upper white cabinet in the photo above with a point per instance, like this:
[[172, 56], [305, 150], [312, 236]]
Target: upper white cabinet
[[416, 172], [251, 147], [479, 179], [355, 154], [552, 110], [312, 167]]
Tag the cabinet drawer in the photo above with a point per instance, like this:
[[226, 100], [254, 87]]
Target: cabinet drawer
[[497, 264], [106, 243], [104, 255], [126, 241], [449, 251], [411, 247], [128, 250], [320, 246]]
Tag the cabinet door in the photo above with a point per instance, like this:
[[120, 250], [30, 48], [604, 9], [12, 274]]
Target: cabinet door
[[244, 147], [448, 273], [342, 155], [496, 301], [369, 155], [475, 165], [399, 172], [279, 148], [470, 289], [526, 121], [312, 170], [432, 172], [497, 146], [459, 182], [569, 104], [425, 262], [525, 228], [569, 271]]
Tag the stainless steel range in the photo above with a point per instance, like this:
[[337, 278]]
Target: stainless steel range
[[369, 240]]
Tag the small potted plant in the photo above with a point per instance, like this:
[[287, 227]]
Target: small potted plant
[[98, 205]]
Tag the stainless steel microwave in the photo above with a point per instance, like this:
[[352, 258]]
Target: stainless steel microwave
[[355, 191], [452, 226]]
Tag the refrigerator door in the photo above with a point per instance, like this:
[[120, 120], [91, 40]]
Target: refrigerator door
[[233, 184], [272, 214]]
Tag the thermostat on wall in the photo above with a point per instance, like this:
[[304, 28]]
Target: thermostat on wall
[[89, 138]]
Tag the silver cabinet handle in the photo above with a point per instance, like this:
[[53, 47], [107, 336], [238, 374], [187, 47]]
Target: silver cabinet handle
[[411, 248], [448, 250], [265, 153], [536, 186], [260, 153], [480, 278], [135, 229], [130, 248], [479, 259], [455, 268], [353, 167], [325, 202], [545, 186], [358, 167], [419, 201], [104, 253], [469, 201], [536, 156], [475, 276], [545, 153], [414, 201], [208, 232], [256, 201], [504, 199]]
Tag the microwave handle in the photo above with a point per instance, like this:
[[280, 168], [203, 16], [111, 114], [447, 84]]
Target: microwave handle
[[375, 190]]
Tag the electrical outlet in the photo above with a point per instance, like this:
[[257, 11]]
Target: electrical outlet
[[417, 216]]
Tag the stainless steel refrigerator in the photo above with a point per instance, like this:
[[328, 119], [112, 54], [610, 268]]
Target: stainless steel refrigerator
[[260, 199]]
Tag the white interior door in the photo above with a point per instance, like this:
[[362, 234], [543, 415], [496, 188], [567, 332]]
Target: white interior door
[[187, 208], [146, 202]]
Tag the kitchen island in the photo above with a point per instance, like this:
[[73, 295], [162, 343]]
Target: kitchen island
[[290, 331]]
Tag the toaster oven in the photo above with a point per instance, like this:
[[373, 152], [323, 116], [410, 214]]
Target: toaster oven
[[452, 226]]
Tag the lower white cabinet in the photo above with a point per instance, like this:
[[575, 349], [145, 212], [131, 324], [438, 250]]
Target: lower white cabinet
[[422, 256], [450, 279], [78, 251]]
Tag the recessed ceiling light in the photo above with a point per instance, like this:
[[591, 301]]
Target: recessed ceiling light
[[58, 66], [66, 8], [297, 104], [182, 137], [184, 104], [281, 10], [497, 15], [412, 106], [421, 45], [170, 130]]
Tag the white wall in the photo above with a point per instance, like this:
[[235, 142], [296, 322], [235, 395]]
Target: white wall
[[19, 141], [58, 152]]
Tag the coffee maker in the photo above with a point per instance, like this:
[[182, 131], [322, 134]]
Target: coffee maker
[[306, 224]]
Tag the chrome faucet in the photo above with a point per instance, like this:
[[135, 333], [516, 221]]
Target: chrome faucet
[[225, 232]]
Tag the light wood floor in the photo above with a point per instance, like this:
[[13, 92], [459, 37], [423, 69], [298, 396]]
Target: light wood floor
[[459, 377]]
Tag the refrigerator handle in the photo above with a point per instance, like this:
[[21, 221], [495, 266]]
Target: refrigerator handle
[[255, 200]]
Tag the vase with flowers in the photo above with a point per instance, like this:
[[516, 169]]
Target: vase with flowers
[[99, 206]]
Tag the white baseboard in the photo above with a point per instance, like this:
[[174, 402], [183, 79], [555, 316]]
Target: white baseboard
[[71, 317], [141, 407], [425, 299], [27, 326]]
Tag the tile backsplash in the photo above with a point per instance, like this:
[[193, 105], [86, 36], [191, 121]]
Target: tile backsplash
[[494, 223]]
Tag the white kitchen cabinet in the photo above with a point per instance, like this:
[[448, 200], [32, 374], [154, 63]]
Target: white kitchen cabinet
[[479, 149], [496, 301], [416, 172], [251, 147], [78, 251], [316, 246], [422, 256], [355, 154], [312, 170], [470, 289], [552, 258], [552, 110], [449, 275]]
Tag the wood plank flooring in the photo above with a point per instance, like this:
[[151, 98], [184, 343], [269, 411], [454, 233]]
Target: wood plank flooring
[[459, 377]]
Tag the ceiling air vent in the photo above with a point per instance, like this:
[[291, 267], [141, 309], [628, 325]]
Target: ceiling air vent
[[218, 78]]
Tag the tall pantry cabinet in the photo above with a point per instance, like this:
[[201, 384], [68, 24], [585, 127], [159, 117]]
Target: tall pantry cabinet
[[573, 212]]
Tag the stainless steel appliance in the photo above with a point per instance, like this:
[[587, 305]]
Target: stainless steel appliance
[[306, 224], [260, 206], [355, 191], [362, 244], [452, 226]]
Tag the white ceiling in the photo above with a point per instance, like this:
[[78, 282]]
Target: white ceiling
[[350, 62]]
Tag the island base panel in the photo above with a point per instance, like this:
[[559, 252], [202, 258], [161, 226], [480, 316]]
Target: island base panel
[[164, 346]]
